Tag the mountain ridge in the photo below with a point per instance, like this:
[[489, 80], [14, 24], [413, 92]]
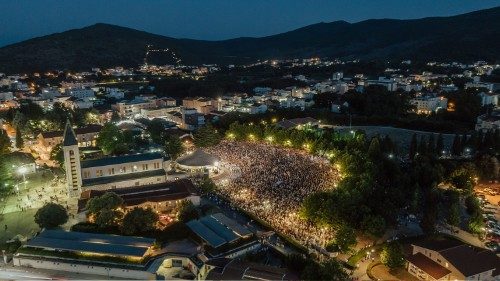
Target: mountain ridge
[[465, 37]]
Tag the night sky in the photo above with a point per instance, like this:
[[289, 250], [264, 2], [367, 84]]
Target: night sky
[[210, 19]]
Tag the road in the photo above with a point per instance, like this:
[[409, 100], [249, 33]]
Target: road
[[16, 274]]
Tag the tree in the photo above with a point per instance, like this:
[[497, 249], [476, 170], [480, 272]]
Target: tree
[[392, 255], [472, 205], [328, 270], [206, 136], [488, 167], [57, 154], [156, 130], [19, 139], [463, 178], [186, 211], [476, 224], [112, 140], [345, 238], [374, 225], [173, 146], [51, 215], [139, 220], [454, 215], [5, 143], [19, 120], [108, 200], [374, 150], [105, 209], [207, 185]]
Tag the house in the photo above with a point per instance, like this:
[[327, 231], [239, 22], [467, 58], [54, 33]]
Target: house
[[85, 137], [440, 259]]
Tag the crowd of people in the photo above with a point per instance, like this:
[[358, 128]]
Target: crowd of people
[[272, 182]]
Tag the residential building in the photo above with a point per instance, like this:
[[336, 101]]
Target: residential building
[[201, 104], [429, 104], [80, 93], [85, 136], [132, 108]]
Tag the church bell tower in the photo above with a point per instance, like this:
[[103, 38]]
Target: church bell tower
[[72, 161]]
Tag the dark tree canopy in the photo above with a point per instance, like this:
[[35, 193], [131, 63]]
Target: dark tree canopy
[[139, 220], [51, 215]]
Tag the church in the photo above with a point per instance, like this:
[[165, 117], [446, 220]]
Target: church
[[110, 172]]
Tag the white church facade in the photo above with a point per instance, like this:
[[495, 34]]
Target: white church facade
[[109, 172]]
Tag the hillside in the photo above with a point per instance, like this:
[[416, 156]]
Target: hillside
[[464, 37]]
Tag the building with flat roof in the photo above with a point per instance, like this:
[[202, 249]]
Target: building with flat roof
[[90, 253], [237, 269], [222, 236]]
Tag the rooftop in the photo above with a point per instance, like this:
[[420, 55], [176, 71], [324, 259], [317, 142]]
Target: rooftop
[[429, 266], [136, 195], [122, 159], [92, 243], [198, 158], [236, 269], [217, 230], [465, 258], [123, 177]]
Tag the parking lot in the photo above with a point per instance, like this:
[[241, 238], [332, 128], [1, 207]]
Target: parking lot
[[489, 196]]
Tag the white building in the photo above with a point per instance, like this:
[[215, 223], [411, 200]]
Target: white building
[[81, 93], [109, 172], [132, 108], [427, 105], [489, 99]]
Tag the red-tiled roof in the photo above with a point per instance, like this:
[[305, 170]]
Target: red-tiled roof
[[429, 266]]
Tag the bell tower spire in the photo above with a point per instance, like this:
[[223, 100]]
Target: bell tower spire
[[72, 161]]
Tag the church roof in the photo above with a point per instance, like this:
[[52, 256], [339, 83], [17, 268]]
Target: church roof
[[198, 158], [69, 135], [122, 159]]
